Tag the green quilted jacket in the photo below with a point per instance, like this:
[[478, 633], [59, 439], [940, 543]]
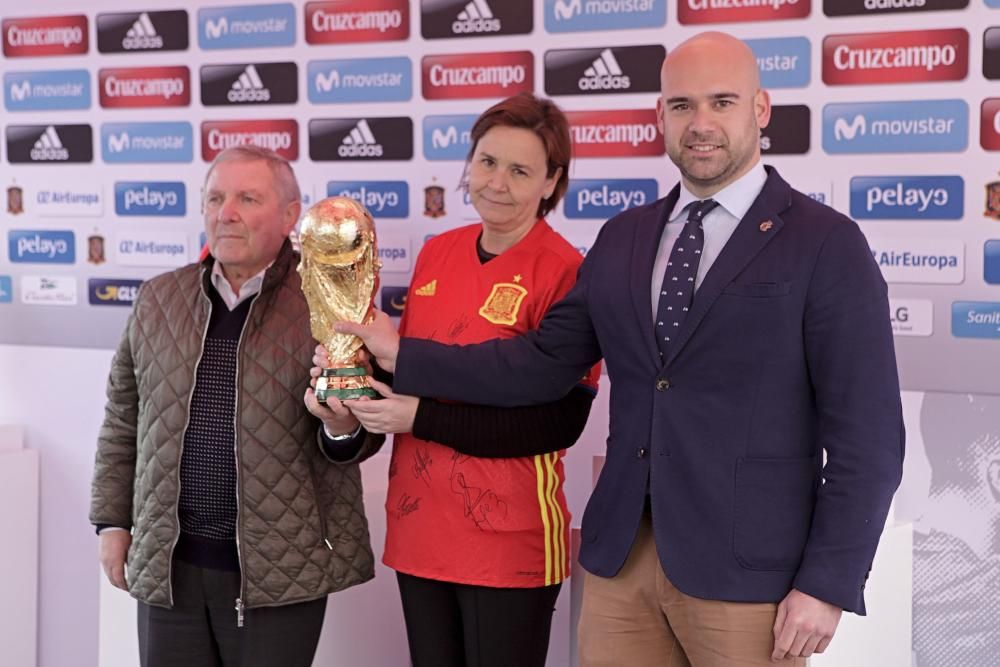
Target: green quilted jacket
[[301, 529]]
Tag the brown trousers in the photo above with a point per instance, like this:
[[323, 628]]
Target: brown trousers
[[638, 619]]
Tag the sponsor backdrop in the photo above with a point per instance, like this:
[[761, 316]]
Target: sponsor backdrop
[[887, 110]]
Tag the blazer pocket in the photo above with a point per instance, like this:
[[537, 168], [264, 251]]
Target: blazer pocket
[[774, 506], [761, 290]]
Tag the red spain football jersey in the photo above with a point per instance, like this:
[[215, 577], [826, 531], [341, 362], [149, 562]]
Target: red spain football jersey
[[452, 517]]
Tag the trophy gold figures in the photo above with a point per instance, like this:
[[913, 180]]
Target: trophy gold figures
[[339, 270]]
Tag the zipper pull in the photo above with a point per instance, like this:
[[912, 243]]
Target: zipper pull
[[239, 613], [328, 545]]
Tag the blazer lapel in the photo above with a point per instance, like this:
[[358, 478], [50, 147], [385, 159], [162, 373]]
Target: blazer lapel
[[760, 224], [648, 231]]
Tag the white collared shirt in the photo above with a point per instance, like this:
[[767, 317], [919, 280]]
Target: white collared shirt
[[225, 290], [719, 224]]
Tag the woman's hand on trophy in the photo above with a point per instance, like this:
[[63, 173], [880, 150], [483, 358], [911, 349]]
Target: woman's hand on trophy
[[393, 414], [380, 338]]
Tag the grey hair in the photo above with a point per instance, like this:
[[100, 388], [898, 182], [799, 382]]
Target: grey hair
[[284, 175]]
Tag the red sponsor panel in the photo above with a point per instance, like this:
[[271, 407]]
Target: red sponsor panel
[[913, 56], [129, 87], [345, 21], [45, 36], [280, 135], [989, 124], [469, 75], [725, 11], [615, 133]]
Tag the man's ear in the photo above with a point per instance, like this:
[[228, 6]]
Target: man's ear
[[292, 212], [993, 478]]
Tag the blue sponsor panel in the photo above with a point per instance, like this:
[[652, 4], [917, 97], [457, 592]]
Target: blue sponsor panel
[[991, 262], [585, 15], [41, 246], [384, 199], [246, 27], [149, 198], [448, 137], [603, 198], [784, 62], [975, 319], [112, 291], [147, 142], [393, 300], [924, 126], [907, 197], [993, 3], [360, 80], [6, 289], [55, 90]]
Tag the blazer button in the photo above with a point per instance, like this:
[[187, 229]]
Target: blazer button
[[641, 452], [662, 384]]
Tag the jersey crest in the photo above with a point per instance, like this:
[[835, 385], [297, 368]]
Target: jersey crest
[[503, 303]]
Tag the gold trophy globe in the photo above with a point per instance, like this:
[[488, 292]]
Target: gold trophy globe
[[339, 270]]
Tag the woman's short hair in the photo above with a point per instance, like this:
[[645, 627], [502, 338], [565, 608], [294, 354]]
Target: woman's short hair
[[549, 124]]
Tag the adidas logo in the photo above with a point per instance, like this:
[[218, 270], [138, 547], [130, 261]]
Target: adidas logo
[[49, 147], [248, 87], [477, 17], [142, 35], [604, 74], [360, 142], [427, 290]]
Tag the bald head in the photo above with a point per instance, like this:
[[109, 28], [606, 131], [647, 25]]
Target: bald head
[[711, 110], [716, 50]]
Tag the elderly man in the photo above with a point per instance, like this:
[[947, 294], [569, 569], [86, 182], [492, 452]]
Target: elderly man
[[233, 512], [748, 338]]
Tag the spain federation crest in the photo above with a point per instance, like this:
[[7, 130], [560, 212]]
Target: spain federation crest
[[434, 201], [15, 200], [95, 249], [992, 200], [503, 303]]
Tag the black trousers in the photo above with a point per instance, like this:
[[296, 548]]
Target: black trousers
[[201, 629], [455, 625]]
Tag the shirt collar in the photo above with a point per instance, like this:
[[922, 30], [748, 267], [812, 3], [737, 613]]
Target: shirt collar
[[247, 289], [736, 198]]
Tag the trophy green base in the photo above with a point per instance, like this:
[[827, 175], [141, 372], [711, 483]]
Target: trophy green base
[[343, 384]]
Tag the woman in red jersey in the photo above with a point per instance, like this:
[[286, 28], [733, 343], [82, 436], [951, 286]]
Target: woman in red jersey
[[477, 524]]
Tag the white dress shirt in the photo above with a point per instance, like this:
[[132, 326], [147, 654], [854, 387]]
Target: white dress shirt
[[719, 224], [225, 290]]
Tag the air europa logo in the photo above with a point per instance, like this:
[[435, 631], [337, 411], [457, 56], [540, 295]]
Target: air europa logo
[[280, 136], [130, 87], [471, 75], [596, 71], [475, 18], [346, 21], [142, 31], [45, 36], [896, 57], [615, 133], [719, 11]]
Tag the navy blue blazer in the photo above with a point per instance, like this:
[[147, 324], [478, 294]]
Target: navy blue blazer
[[787, 353]]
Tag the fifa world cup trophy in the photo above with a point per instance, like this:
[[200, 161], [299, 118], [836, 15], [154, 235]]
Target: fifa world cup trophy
[[339, 270]]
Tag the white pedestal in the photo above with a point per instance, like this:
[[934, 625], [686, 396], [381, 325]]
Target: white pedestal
[[19, 560]]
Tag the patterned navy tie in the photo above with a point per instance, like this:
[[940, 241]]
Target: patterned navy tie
[[677, 291]]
